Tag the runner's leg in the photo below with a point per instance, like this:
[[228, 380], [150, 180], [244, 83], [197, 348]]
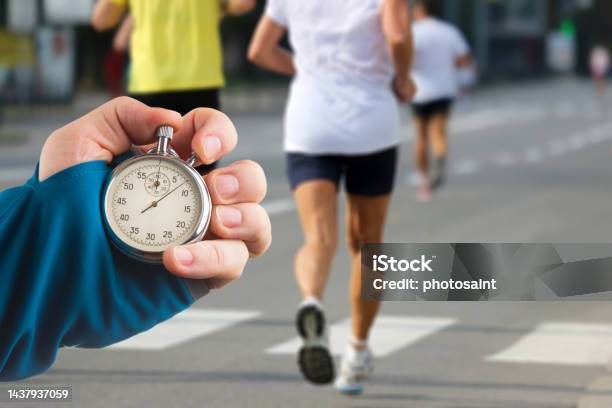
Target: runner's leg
[[437, 130], [370, 180], [422, 156], [422, 145], [317, 208], [365, 225]]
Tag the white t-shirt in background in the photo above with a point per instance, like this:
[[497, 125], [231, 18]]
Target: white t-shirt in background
[[341, 101], [437, 46]]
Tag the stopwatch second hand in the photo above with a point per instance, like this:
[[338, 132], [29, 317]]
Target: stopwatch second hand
[[154, 203]]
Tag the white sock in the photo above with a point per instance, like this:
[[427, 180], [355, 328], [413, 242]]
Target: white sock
[[311, 301], [357, 356], [357, 344]]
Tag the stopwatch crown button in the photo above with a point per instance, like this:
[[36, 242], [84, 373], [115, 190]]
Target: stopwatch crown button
[[165, 132]]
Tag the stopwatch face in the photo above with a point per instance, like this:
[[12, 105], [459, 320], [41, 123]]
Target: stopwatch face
[[154, 203]]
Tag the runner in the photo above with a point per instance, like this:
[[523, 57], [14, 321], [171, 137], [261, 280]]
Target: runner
[[176, 49], [600, 66], [439, 50], [342, 122]]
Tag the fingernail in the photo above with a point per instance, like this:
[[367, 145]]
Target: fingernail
[[212, 147], [229, 216], [226, 185], [183, 256]]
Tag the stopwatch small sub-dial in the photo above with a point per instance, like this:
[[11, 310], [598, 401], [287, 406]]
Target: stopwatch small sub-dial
[[157, 184]]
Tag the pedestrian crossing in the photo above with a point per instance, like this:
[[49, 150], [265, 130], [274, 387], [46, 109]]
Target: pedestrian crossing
[[390, 334], [184, 327], [549, 342], [561, 343]]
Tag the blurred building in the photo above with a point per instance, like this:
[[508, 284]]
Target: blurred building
[[512, 38], [48, 51]]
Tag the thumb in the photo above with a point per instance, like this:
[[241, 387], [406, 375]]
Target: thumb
[[102, 134]]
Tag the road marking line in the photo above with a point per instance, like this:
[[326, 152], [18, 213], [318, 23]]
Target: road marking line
[[533, 155], [467, 167], [390, 334], [561, 343], [558, 148], [505, 159], [596, 136], [277, 207], [577, 142], [185, 326], [479, 121]]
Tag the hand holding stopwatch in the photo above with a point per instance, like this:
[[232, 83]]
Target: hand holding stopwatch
[[156, 201]]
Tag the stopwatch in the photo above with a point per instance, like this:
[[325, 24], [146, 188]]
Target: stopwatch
[[156, 201]]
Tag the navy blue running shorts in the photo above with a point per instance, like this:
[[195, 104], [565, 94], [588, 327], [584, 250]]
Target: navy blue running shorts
[[367, 175], [428, 110]]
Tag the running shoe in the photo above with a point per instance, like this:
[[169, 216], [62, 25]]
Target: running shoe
[[438, 176], [423, 189], [424, 193], [356, 368], [314, 358]]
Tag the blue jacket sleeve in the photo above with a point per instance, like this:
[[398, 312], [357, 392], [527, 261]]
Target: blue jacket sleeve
[[62, 283]]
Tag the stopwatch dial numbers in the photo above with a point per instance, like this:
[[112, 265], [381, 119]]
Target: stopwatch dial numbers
[[155, 205]]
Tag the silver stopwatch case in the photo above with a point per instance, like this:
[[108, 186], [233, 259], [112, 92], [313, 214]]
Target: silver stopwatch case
[[165, 154]]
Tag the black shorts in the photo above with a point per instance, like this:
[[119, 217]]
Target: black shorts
[[184, 102], [430, 109], [367, 175]]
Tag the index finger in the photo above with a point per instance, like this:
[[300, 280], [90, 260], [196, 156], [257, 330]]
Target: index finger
[[210, 134]]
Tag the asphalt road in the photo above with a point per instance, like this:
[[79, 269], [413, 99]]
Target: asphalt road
[[530, 163]]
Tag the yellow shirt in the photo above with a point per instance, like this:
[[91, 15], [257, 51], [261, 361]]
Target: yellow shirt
[[175, 45]]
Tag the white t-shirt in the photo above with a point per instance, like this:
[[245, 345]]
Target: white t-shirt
[[437, 46], [341, 101]]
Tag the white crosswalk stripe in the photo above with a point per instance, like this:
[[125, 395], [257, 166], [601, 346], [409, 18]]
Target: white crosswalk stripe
[[561, 343], [552, 343], [280, 206], [467, 167], [186, 326], [390, 334]]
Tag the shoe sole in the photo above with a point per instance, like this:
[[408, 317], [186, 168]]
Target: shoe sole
[[351, 391], [314, 358]]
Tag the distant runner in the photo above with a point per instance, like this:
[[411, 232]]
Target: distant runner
[[350, 65], [600, 66], [175, 49], [440, 50]]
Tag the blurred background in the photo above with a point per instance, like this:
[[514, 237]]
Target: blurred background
[[531, 146], [50, 53]]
